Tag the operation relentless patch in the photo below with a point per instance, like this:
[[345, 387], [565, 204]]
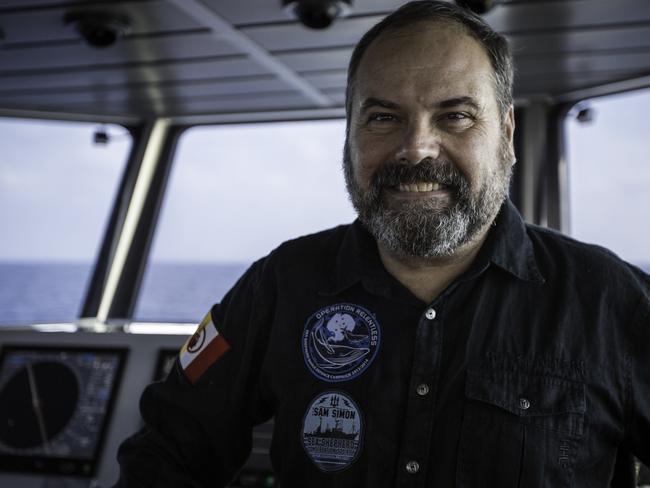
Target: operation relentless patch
[[332, 431], [340, 341]]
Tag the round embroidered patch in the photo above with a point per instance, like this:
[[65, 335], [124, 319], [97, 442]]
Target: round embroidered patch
[[340, 341], [332, 431]]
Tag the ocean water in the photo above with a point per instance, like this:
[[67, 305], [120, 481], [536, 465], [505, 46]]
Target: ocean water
[[184, 292], [54, 292], [41, 292]]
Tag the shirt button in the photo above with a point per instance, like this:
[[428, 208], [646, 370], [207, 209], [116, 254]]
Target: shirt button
[[422, 389], [430, 314], [524, 404], [412, 467]]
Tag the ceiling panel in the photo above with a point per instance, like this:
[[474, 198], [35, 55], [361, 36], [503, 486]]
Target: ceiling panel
[[239, 12], [140, 73], [199, 105], [276, 102], [172, 63], [209, 86], [328, 79], [324, 60], [294, 36], [563, 14], [542, 87], [122, 93], [133, 50], [30, 25], [564, 42], [7, 5], [578, 79], [586, 63]]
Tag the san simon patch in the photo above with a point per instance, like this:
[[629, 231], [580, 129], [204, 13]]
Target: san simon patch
[[332, 431]]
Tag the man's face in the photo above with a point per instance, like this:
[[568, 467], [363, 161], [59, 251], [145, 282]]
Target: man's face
[[428, 157]]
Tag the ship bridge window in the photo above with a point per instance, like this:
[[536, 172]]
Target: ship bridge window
[[57, 185], [609, 174], [235, 193]]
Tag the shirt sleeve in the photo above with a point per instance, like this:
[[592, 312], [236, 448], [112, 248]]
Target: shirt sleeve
[[198, 433], [638, 383]]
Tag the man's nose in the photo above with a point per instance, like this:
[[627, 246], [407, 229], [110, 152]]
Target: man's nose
[[421, 141]]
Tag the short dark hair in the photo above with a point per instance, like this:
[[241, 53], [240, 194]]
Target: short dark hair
[[418, 11]]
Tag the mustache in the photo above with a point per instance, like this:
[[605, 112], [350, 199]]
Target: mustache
[[440, 171]]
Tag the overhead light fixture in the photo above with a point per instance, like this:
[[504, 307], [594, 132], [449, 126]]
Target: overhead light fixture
[[99, 28], [318, 14], [477, 6], [585, 114], [100, 136]]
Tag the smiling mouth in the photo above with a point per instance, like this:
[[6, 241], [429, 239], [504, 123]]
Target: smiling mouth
[[420, 187]]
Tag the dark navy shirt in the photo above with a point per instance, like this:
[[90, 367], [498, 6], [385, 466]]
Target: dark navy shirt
[[531, 370]]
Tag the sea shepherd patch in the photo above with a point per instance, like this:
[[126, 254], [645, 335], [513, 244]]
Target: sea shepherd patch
[[340, 341], [202, 349], [332, 431]]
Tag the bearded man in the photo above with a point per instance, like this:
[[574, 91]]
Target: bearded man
[[478, 351]]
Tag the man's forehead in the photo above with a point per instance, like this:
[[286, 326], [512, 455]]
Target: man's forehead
[[419, 28], [431, 43], [439, 55]]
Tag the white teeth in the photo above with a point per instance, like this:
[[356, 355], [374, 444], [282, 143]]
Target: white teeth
[[419, 187]]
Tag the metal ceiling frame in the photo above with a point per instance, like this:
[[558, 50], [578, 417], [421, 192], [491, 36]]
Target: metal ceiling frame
[[603, 90], [223, 31]]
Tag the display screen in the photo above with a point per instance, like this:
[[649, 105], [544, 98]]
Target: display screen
[[54, 407], [165, 363]]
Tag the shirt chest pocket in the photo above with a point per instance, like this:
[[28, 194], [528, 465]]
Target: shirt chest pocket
[[519, 430]]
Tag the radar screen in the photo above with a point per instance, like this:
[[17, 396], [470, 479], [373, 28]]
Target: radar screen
[[165, 363], [54, 407]]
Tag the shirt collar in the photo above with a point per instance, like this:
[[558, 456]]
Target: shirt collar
[[357, 260], [507, 246]]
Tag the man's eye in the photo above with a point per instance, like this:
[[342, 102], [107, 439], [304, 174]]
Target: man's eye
[[457, 120], [381, 117]]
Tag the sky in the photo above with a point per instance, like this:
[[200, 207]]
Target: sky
[[56, 189], [236, 192], [609, 176]]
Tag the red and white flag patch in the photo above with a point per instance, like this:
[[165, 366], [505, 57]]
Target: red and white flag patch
[[202, 349]]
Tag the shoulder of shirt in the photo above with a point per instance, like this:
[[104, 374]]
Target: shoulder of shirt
[[302, 254], [590, 261], [312, 245], [305, 256]]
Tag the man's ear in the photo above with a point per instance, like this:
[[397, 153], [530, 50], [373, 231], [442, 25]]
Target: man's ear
[[509, 123], [509, 130]]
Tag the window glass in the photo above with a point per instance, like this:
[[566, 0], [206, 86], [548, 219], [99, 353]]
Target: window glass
[[609, 174], [56, 191], [235, 193]]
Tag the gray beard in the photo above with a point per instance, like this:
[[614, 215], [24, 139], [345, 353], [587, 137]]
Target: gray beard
[[424, 229]]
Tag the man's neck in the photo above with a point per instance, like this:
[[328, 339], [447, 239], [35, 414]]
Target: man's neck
[[427, 278]]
